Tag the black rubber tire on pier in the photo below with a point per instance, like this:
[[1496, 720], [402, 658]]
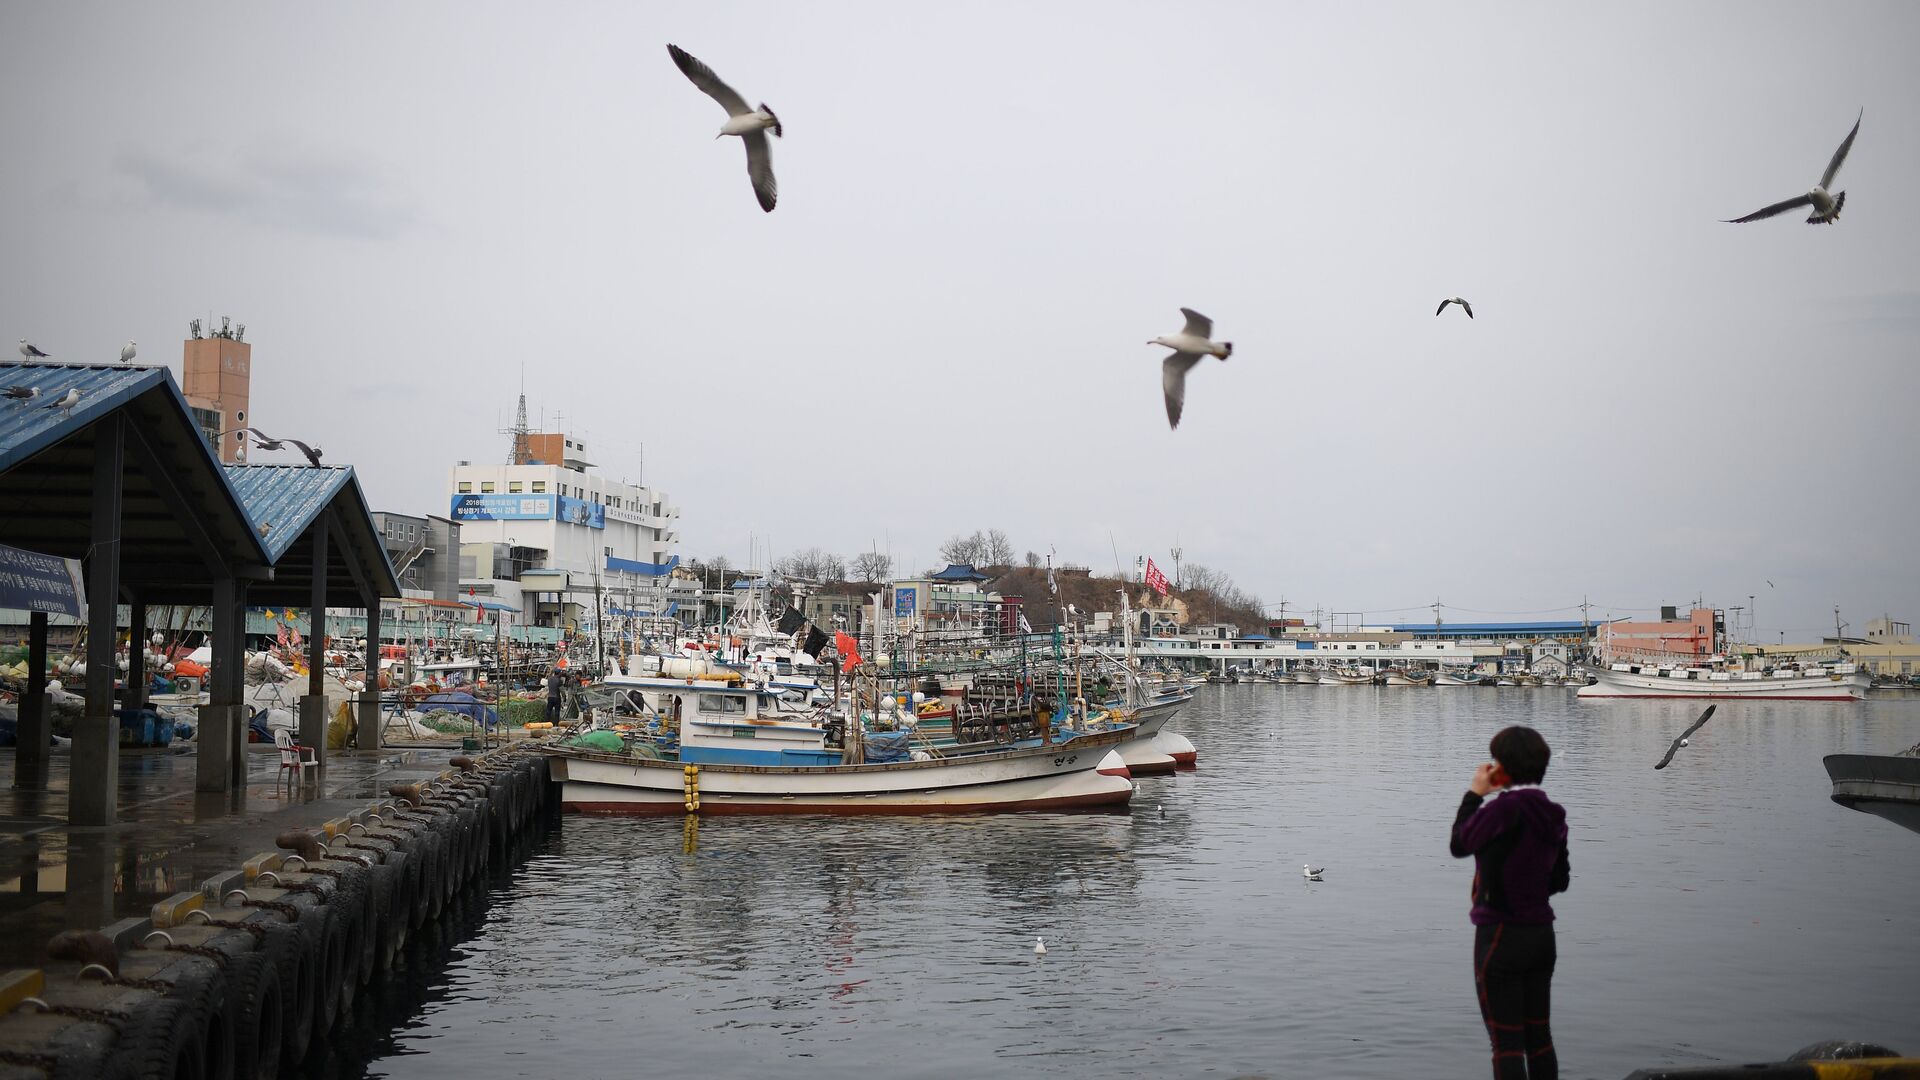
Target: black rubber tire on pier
[[295, 956], [201, 987], [333, 966], [347, 909], [164, 1040], [253, 986]]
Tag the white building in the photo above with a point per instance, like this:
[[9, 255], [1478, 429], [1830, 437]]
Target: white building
[[543, 534]]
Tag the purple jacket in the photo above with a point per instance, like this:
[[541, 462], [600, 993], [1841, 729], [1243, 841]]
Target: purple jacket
[[1519, 847]]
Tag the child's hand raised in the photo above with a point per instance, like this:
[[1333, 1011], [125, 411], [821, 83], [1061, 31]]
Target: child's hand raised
[[1483, 779]]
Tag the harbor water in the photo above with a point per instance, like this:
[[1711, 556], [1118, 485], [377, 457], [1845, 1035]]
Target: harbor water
[[1721, 910]]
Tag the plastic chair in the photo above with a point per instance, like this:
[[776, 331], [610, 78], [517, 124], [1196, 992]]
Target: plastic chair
[[293, 755]]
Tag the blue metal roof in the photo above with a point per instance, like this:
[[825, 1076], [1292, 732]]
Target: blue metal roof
[[28, 427], [285, 499], [958, 572]]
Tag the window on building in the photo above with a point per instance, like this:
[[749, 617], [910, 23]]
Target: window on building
[[486, 487], [539, 487], [513, 487], [466, 487]]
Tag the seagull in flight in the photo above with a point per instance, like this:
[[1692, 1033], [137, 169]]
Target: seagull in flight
[[749, 123], [267, 442], [1307, 871], [1682, 740], [22, 393], [29, 350], [1826, 207], [126, 353], [1189, 346], [66, 403], [1464, 306]]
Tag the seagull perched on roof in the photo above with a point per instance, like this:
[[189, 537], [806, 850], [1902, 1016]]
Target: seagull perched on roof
[[1464, 306], [126, 352], [66, 403], [29, 350], [22, 393], [1189, 346], [1682, 740], [749, 123], [1826, 207]]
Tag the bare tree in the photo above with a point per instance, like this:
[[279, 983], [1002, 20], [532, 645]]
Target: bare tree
[[813, 564], [999, 549], [965, 549], [872, 566], [1033, 560]]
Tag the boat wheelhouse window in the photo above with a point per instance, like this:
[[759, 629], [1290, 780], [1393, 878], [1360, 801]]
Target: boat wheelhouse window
[[723, 703]]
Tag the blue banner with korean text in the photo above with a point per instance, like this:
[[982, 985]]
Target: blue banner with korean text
[[30, 581]]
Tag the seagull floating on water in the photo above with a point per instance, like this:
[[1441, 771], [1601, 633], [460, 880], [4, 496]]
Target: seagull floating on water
[[1307, 871], [749, 123], [1464, 306], [1682, 740], [1189, 346], [126, 352], [22, 393], [1039, 947], [29, 350], [66, 403], [1826, 207]]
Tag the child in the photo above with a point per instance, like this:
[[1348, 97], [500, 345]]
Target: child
[[1519, 845]]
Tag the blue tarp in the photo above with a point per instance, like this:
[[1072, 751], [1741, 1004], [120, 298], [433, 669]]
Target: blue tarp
[[885, 746], [457, 701]]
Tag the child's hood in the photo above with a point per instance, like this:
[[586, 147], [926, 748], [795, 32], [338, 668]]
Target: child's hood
[[1531, 805]]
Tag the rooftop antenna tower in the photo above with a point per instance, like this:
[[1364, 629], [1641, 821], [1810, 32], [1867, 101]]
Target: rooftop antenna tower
[[520, 451]]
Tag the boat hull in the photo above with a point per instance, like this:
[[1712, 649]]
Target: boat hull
[[1628, 684], [1087, 772]]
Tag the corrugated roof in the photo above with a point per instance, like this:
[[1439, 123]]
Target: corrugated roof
[[284, 499], [28, 427]]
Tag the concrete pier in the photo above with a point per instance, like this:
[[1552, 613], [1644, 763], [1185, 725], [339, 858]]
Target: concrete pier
[[225, 934]]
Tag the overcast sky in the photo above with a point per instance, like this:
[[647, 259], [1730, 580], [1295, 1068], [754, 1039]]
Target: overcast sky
[[986, 210]]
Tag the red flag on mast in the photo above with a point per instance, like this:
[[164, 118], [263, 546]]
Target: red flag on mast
[[848, 648], [1156, 580]]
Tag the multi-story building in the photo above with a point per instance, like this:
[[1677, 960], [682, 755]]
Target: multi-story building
[[215, 375], [425, 553], [546, 534]]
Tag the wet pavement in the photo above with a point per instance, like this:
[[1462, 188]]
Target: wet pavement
[[169, 838]]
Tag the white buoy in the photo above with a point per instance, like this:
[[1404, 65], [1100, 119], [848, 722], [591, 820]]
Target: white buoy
[[1039, 947]]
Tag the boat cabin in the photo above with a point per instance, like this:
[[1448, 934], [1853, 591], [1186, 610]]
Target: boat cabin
[[729, 723]]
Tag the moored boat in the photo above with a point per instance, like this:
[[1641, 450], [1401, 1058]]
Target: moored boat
[[1842, 682], [718, 748]]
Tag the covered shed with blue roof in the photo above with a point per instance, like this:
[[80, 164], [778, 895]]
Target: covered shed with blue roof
[[104, 464]]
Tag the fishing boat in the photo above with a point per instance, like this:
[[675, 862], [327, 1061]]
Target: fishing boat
[[1346, 677], [1458, 678], [1707, 677], [725, 748], [1401, 677]]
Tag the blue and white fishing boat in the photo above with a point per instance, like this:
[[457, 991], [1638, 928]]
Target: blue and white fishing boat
[[717, 747]]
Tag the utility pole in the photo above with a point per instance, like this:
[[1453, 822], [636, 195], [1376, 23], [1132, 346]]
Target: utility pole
[[1436, 617], [1839, 629], [1176, 566]]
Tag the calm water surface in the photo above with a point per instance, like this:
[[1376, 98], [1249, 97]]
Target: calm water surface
[[1721, 910]]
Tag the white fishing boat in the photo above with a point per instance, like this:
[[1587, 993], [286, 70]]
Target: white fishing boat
[[736, 754], [1457, 678], [1706, 678], [1346, 677]]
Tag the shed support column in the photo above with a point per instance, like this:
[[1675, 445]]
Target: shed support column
[[96, 738], [370, 697], [136, 694], [30, 755], [213, 749], [232, 651], [313, 707]]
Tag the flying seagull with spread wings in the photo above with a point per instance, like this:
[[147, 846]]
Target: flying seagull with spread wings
[[267, 442], [749, 123], [1682, 740], [1192, 344], [1826, 207], [1464, 306]]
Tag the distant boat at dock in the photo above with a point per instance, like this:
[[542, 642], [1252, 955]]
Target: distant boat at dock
[[1705, 678]]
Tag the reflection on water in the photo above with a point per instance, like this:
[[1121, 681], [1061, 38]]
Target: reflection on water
[[1721, 909]]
